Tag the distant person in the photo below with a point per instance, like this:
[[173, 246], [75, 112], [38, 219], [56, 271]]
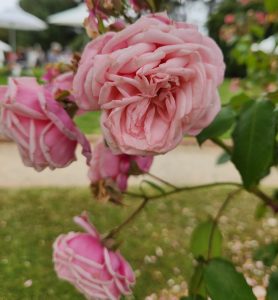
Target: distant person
[[54, 53]]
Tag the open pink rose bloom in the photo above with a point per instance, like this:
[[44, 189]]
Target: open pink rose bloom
[[106, 165], [155, 81], [95, 271], [44, 133]]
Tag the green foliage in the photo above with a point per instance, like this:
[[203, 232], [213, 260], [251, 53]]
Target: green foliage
[[203, 242], [224, 282], [221, 124], [238, 101], [223, 158], [196, 285], [261, 210], [272, 290], [267, 253], [89, 122], [43, 9], [271, 5], [254, 141]]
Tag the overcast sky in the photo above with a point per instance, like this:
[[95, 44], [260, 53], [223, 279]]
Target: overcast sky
[[9, 3]]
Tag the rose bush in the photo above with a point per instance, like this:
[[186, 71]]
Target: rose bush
[[105, 165], [83, 260], [43, 131], [154, 81]]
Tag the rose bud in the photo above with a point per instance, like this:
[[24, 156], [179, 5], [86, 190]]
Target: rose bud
[[116, 168], [84, 261], [43, 131]]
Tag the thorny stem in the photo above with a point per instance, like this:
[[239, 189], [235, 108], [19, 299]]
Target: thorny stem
[[217, 217]]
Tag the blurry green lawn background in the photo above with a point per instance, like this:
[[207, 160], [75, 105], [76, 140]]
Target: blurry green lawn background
[[31, 219]]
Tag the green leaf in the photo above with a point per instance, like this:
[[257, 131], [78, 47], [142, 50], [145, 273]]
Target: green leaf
[[260, 211], [273, 97], [196, 284], [223, 158], [224, 282], [271, 5], [200, 239], [272, 290], [154, 186], [222, 123], [267, 253], [238, 101], [254, 138]]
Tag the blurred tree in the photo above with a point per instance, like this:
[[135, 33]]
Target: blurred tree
[[42, 9]]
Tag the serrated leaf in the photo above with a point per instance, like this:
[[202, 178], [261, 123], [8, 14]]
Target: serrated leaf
[[223, 158], [272, 290], [154, 186], [222, 123], [224, 282], [267, 253], [200, 239], [254, 138]]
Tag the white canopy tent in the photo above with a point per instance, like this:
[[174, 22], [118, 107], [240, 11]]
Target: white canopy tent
[[15, 18], [5, 47], [74, 17], [268, 45], [71, 17]]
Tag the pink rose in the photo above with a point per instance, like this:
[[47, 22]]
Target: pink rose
[[154, 81], [44, 133], [94, 270], [106, 165], [260, 17], [229, 19]]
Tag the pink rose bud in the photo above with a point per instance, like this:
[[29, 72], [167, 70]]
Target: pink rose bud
[[155, 81], [118, 25], [43, 131], [229, 19], [83, 260], [106, 165]]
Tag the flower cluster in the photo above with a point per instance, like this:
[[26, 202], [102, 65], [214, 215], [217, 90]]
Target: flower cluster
[[154, 82]]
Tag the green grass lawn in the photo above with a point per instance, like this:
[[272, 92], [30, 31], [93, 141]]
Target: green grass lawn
[[31, 219]]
